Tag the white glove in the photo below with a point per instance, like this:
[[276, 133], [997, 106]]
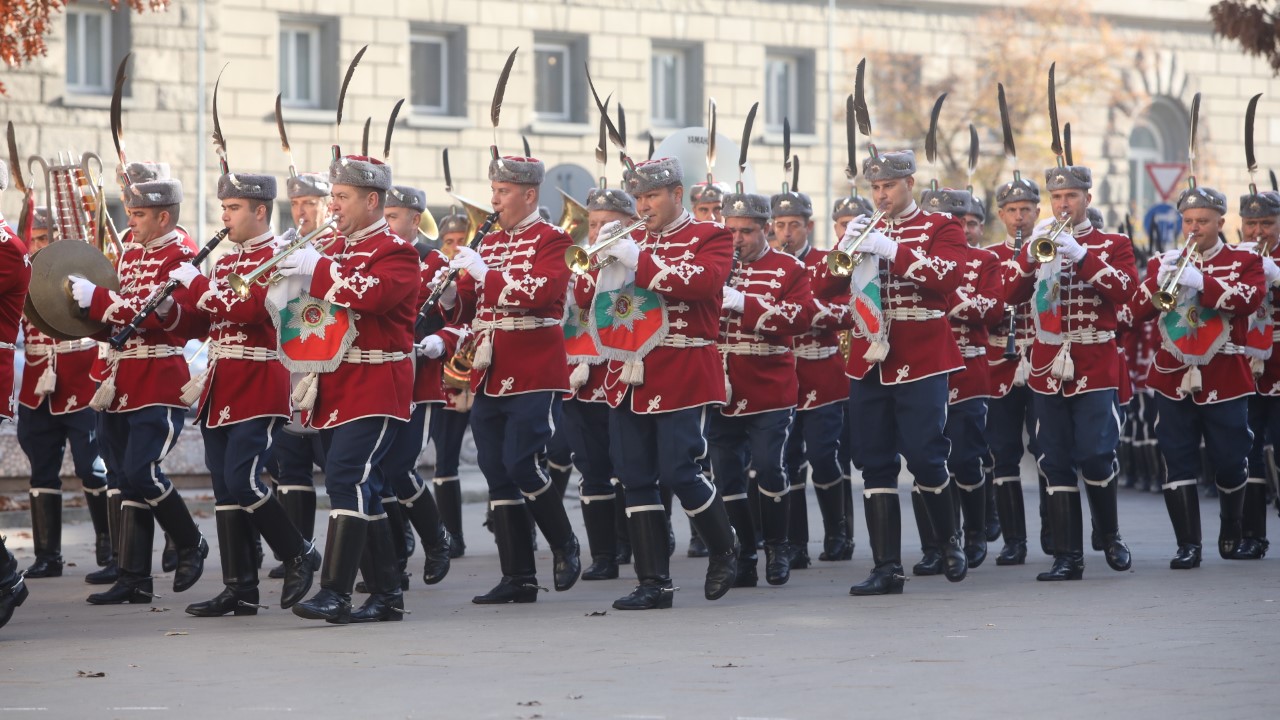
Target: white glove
[[82, 291], [470, 260], [626, 251], [449, 297], [1192, 278], [734, 300], [430, 346], [877, 243], [1068, 247], [301, 262], [1270, 270], [184, 273], [853, 229], [164, 307]]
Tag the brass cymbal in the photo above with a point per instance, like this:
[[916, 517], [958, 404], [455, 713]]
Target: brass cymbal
[[50, 293]]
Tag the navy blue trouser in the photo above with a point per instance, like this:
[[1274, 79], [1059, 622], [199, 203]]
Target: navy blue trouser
[[815, 439], [1077, 434], [353, 463], [586, 428], [888, 423], [44, 438], [760, 439], [511, 435], [133, 444], [1223, 426], [236, 455], [448, 428], [1007, 418], [661, 447], [400, 465], [966, 429]]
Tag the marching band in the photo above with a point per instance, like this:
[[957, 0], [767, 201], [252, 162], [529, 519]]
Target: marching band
[[711, 353]]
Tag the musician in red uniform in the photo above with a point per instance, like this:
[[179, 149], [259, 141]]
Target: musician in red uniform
[[243, 403], [141, 396], [1077, 296], [408, 491], [360, 406], [900, 355], [15, 276], [813, 444], [1201, 375], [1260, 221], [53, 413], [515, 290], [767, 302], [1009, 409]]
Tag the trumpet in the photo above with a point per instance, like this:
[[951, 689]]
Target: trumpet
[[842, 262], [1165, 298], [581, 261], [242, 284], [1043, 249]]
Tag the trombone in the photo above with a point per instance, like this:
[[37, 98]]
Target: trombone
[[582, 261], [242, 284], [842, 262], [1165, 298], [1043, 249]]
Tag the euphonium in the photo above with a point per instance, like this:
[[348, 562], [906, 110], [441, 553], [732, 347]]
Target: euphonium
[[241, 284], [1166, 297], [1043, 249], [842, 262], [582, 261]]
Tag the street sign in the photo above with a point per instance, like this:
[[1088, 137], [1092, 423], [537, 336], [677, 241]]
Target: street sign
[[1165, 177], [1163, 225]]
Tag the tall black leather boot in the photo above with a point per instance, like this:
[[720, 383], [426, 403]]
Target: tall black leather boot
[[775, 517], [973, 505], [620, 524], [137, 532], [111, 571], [301, 558], [13, 591], [46, 533], [449, 504], [602, 539], [299, 503], [941, 510], [1066, 523], [342, 552], [648, 532], [722, 563], [552, 519], [1253, 541], [739, 511], [931, 558], [797, 524], [1106, 522], [511, 530], [1230, 516], [835, 536], [993, 510], [1013, 521], [884, 531], [174, 518], [381, 570], [96, 501], [1183, 504], [421, 513], [239, 572]]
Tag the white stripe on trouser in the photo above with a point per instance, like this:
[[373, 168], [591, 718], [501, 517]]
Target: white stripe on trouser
[[263, 497], [646, 508], [368, 466], [169, 441]]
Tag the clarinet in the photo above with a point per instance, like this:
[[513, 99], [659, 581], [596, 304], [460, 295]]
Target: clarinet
[[421, 327], [123, 336], [1011, 345]]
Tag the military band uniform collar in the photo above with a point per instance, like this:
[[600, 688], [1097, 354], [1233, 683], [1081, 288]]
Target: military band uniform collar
[[911, 211], [674, 226], [373, 229]]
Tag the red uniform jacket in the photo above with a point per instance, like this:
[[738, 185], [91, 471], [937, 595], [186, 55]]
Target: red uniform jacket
[[70, 361], [1233, 284], [518, 309], [1093, 293], [428, 383], [151, 369], [245, 379], [975, 307], [914, 290], [819, 367], [15, 276], [377, 276], [756, 343], [687, 263], [1004, 375]]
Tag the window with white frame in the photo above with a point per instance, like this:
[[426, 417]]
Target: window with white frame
[[89, 49], [429, 57], [551, 81], [300, 64], [781, 91], [668, 93]]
